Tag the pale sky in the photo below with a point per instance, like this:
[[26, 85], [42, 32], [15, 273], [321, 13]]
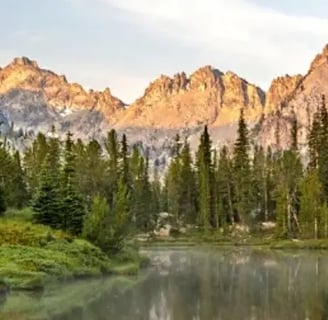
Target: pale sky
[[125, 44]]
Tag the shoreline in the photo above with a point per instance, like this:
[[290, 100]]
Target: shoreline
[[34, 256], [290, 244]]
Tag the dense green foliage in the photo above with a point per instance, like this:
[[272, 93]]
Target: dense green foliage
[[2, 201], [32, 255], [242, 175], [107, 192], [250, 185]]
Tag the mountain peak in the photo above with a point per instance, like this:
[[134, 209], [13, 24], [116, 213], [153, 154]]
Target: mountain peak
[[206, 96], [24, 61], [25, 75], [320, 59]]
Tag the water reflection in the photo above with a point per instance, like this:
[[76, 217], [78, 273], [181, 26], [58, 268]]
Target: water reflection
[[207, 284], [227, 285]]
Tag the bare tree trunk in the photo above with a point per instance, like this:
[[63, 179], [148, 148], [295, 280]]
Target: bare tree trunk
[[315, 227]]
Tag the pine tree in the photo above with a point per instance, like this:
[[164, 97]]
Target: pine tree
[[173, 181], [12, 178], [225, 189], [294, 134], [119, 219], [124, 163], [177, 146], [242, 173], [108, 227], [269, 185], [261, 183], [96, 223], [6, 169], [33, 160], [47, 200], [287, 193], [5, 174], [3, 205], [314, 141], [311, 205], [187, 189], [205, 172], [140, 194], [147, 195], [157, 202], [323, 154], [72, 209], [112, 148], [281, 196], [90, 170], [137, 207], [17, 190]]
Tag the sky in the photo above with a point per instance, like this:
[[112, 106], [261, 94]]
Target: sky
[[125, 44]]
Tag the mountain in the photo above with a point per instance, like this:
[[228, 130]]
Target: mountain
[[26, 75], [33, 99], [207, 96], [290, 97]]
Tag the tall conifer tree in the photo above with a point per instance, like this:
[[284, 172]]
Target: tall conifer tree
[[205, 172], [242, 172], [3, 205], [124, 163], [72, 208], [112, 148], [225, 188], [323, 154], [17, 190], [33, 160], [188, 189], [47, 200]]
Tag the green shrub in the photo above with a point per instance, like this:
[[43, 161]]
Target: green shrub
[[25, 214], [32, 255]]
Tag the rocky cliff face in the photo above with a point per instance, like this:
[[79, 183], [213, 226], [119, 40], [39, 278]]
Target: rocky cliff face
[[280, 92], [291, 97], [207, 96], [24, 74]]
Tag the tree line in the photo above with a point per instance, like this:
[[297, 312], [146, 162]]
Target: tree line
[[106, 191], [247, 184], [101, 192]]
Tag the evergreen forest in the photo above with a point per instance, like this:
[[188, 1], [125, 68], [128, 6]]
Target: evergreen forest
[[105, 191]]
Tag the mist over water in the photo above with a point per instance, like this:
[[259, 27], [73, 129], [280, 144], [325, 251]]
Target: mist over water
[[194, 284]]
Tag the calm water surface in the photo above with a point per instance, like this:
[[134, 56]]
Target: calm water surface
[[192, 284]]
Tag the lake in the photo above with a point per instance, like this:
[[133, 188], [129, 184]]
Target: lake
[[191, 284]]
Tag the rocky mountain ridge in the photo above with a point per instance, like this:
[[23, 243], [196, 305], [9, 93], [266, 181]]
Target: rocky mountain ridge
[[23, 73], [301, 99], [207, 96], [32, 99]]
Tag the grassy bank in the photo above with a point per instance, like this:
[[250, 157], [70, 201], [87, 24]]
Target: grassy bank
[[216, 239], [32, 256]]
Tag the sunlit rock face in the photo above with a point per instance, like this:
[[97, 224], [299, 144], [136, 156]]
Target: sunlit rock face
[[57, 92], [207, 96], [34, 99], [294, 97]]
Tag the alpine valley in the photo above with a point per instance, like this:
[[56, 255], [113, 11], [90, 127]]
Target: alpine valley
[[32, 100]]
